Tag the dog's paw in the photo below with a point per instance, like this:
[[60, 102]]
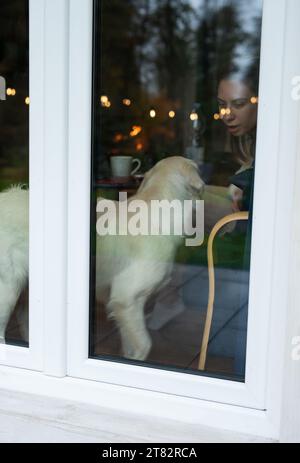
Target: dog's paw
[[138, 353]]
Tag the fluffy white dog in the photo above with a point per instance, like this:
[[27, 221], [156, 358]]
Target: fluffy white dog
[[135, 267], [14, 253], [132, 267]]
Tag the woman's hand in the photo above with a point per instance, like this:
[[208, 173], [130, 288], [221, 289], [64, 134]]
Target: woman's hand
[[236, 195]]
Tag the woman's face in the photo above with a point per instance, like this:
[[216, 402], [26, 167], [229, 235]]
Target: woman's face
[[238, 107]]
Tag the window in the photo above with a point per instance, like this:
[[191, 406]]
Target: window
[[14, 171], [21, 184], [174, 78]]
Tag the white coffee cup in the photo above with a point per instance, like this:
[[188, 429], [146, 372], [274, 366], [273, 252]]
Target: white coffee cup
[[121, 166]]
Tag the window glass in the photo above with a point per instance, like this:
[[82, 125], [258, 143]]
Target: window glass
[[14, 171], [175, 102]]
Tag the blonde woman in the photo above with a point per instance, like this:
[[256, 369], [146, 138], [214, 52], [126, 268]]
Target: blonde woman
[[238, 105]]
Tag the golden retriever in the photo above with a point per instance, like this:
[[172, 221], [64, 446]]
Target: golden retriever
[[135, 267]]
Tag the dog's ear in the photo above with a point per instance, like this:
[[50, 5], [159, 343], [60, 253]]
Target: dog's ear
[[193, 163], [145, 181], [197, 185], [195, 182]]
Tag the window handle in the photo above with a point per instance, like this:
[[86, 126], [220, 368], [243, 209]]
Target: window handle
[[2, 89]]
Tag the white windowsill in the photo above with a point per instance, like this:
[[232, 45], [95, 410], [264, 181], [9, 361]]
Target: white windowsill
[[111, 413], [28, 418]]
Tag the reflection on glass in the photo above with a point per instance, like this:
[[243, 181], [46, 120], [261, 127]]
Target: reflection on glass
[[174, 78], [14, 171]]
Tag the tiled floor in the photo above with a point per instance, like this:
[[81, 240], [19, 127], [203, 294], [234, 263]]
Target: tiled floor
[[176, 345]]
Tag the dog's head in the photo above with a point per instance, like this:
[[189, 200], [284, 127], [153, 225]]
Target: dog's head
[[176, 177]]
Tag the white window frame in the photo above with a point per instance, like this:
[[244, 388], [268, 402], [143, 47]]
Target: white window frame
[[252, 394], [48, 126], [32, 357]]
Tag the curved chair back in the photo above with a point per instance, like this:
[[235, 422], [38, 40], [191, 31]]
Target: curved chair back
[[211, 278]]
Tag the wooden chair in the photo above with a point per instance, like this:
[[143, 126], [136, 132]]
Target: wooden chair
[[211, 278]]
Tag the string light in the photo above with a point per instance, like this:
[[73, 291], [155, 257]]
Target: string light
[[194, 116], [254, 100], [136, 129], [152, 113], [11, 92], [27, 100], [105, 101], [126, 102], [118, 137], [172, 114], [216, 117]]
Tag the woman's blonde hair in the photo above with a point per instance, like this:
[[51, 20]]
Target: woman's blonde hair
[[243, 148]]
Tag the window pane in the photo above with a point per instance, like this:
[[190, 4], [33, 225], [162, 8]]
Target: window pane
[[14, 171], [175, 104]]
